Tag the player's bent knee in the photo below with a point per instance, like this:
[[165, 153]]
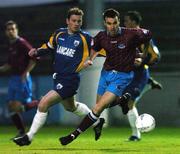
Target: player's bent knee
[[42, 107], [15, 106], [131, 104], [70, 110]]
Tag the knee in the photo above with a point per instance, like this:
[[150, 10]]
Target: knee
[[15, 106], [43, 107], [70, 109], [131, 104]]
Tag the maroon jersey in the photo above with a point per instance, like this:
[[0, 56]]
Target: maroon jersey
[[121, 49], [18, 57]]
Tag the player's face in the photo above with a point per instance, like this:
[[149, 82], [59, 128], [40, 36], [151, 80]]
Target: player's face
[[129, 23], [11, 32], [112, 25], [74, 23]]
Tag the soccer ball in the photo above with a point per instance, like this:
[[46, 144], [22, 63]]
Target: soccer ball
[[145, 122]]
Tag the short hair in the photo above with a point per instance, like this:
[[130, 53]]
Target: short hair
[[10, 22], [111, 13], [74, 11], [135, 16]]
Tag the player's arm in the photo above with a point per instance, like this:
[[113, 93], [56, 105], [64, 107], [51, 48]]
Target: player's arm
[[38, 52], [45, 49], [32, 61], [29, 68], [89, 62], [142, 36], [5, 68], [93, 55], [152, 54], [95, 47]]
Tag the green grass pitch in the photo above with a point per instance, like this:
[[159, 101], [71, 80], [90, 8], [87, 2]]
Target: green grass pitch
[[159, 141]]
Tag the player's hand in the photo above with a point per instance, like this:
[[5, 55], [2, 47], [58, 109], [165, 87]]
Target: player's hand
[[138, 62], [87, 63], [140, 55], [32, 52]]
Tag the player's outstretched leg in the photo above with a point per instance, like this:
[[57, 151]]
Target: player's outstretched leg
[[123, 102], [22, 140], [98, 128], [67, 139], [154, 84], [134, 138], [88, 121], [132, 117], [18, 121]]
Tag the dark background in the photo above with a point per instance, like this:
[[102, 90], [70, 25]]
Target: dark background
[[37, 23]]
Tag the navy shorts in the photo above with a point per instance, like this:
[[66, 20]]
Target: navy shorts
[[138, 83], [66, 85]]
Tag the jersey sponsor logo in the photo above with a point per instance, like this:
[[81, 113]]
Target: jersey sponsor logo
[[121, 46], [62, 39], [54, 75], [145, 31], [59, 86], [65, 51], [76, 43], [113, 42]]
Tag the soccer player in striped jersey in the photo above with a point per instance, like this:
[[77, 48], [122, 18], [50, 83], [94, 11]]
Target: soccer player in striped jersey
[[141, 82], [70, 47], [19, 65], [120, 45]]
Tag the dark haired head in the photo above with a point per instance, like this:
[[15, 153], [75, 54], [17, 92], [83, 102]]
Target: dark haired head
[[10, 22], [110, 13], [74, 11], [134, 16]]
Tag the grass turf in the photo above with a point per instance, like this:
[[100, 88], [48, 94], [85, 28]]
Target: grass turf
[[159, 141]]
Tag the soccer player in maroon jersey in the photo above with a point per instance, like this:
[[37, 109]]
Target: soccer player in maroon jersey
[[141, 81], [19, 64], [120, 47]]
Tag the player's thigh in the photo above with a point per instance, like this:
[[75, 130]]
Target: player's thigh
[[102, 85], [51, 98], [13, 88], [131, 104], [15, 106], [138, 83], [28, 89], [98, 97], [19, 90], [104, 101]]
